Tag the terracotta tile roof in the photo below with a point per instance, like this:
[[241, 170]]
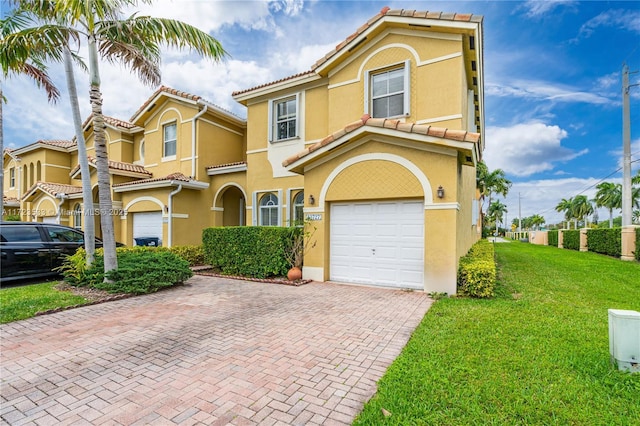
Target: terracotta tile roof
[[302, 74], [173, 176], [58, 143], [219, 166], [54, 188], [405, 13], [111, 121], [366, 120], [164, 89], [10, 201], [179, 93], [385, 11], [116, 165]]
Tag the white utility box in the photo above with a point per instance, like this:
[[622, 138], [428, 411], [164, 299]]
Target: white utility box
[[624, 339]]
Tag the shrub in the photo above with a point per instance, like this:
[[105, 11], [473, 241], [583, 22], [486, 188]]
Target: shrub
[[477, 271], [253, 251], [140, 270], [637, 253], [146, 272], [571, 239], [605, 241], [553, 238], [192, 254]]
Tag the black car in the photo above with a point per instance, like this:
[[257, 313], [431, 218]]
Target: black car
[[33, 249]]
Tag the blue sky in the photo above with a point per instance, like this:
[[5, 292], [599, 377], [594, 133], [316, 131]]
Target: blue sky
[[552, 80]]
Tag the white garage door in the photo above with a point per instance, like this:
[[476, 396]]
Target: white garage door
[[379, 243], [147, 225], [50, 219]]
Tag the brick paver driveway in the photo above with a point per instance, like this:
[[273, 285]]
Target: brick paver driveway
[[214, 351]]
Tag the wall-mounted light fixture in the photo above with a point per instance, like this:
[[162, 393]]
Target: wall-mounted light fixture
[[440, 192], [312, 200]]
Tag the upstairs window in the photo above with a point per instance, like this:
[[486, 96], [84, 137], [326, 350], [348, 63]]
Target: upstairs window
[[388, 92], [169, 140], [284, 119], [12, 177], [269, 210]]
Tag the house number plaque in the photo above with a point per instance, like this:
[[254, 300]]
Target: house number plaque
[[314, 217]]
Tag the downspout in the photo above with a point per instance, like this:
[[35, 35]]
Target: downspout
[[170, 222], [193, 139], [62, 197]]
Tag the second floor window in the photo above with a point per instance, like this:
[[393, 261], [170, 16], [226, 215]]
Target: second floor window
[[285, 119], [388, 92], [12, 177], [170, 139]]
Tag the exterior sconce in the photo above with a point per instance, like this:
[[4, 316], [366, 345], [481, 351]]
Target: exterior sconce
[[440, 192], [312, 200]]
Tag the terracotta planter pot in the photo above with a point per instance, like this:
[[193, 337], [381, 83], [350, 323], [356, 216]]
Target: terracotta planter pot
[[294, 273]]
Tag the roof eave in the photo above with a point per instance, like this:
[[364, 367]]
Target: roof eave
[[270, 88], [161, 184]]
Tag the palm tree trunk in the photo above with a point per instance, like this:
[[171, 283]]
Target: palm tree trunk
[[610, 218], [87, 198], [102, 162]]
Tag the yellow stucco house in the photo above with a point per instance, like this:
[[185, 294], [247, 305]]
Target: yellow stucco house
[[375, 147]]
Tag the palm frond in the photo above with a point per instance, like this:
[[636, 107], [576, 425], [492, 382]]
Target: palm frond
[[42, 79], [148, 69], [169, 32]]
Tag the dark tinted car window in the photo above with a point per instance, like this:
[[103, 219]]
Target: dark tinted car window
[[64, 235], [20, 234]]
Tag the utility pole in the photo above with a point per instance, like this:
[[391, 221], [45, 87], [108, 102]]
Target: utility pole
[[626, 144], [519, 215]]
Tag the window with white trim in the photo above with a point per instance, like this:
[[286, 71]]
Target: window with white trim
[[388, 92], [12, 177], [170, 136], [142, 151], [77, 217], [269, 210], [297, 210], [284, 117]]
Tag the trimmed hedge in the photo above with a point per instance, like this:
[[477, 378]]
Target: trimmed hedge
[[477, 271], [553, 238], [571, 239], [637, 244], [605, 241], [252, 251]]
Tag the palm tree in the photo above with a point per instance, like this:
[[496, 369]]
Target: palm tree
[[581, 208], [609, 195], [489, 183], [32, 67], [565, 206], [134, 41], [536, 220], [496, 212]]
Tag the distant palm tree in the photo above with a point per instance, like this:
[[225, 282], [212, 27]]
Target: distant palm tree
[[565, 205], [581, 208], [537, 220], [496, 212], [491, 182], [133, 41], [609, 195]]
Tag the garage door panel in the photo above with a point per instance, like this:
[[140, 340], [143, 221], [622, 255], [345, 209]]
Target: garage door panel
[[147, 225], [378, 243]]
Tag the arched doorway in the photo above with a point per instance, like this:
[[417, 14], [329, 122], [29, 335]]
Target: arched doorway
[[231, 202]]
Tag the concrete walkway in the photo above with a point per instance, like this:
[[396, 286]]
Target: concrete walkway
[[212, 352]]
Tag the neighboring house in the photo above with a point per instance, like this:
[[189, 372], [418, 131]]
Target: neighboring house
[[375, 147]]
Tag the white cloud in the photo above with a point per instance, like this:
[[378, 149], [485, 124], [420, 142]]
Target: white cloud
[[528, 148], [544, 91], [627, 19], [538, 8]]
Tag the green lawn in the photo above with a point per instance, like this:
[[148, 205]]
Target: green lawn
[[537, 354], [22, 302]]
